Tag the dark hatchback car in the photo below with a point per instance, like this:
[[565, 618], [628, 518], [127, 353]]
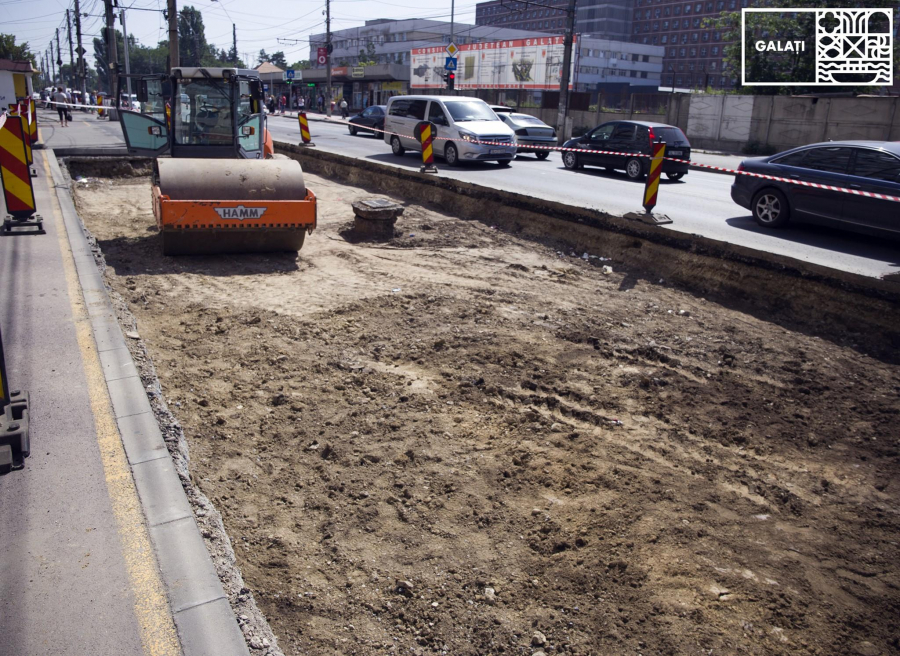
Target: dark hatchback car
[[630, 137], [872, 166], [371, 119]]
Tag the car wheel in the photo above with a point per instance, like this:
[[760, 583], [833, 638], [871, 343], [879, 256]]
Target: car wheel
[[770, 208], [451, 155], [504, 162], [634, 168], [674, 176], [352, 130], [396, 147], [542, 154], [570, 160]]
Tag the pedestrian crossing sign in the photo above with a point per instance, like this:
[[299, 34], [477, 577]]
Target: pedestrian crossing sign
[[450, 64]]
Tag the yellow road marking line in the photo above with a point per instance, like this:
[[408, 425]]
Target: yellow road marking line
[[151, 607]]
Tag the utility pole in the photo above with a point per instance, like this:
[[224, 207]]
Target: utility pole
[[173, 34], [328, 50], [59, 58], [71, 51], [564, 74], [452, 12], [81, 71], [234, 40], [127, 64], [112, 52], [52, 63]]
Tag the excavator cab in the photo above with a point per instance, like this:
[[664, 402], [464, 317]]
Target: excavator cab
[[189, 122]]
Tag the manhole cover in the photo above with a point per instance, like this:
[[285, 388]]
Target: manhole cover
[[377, 202]]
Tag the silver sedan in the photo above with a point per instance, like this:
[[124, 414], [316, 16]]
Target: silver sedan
[[532, 134]]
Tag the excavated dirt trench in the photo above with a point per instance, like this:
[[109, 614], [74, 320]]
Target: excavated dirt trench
[[464, 442]]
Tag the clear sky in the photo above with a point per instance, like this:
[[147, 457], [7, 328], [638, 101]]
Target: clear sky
[[260, 23]]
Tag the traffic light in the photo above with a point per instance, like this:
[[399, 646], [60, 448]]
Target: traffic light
[[451, 80]]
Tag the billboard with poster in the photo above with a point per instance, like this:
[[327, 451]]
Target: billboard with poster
[[514, 64]]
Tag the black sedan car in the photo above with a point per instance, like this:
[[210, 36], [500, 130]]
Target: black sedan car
[[370, 120], [872, 166], [629, 137]]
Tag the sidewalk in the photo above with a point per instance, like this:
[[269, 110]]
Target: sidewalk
[[64, 572], [99, 550]]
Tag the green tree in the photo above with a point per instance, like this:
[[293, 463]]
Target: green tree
[[102, 63], [9, 49], [278, 60], [262, 57], [145, 60], [193, 50], [796, 26], [367, 56], [301, 65]]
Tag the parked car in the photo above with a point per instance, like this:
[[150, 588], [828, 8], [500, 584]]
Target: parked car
[[530, 131], [462, 124], [630, 137], [502, 109], [370, 117], [872, 166]]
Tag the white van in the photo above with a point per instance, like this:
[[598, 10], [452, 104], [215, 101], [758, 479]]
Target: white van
[[462, 123]]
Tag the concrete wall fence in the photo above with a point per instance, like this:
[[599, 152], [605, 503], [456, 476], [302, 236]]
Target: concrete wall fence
[[729, 123]]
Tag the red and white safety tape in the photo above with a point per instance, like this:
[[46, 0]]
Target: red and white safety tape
[[803, 183]]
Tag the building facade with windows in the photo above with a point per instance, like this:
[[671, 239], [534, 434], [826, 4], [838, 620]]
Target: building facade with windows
[[603, 62], [694, 46], [388, 43], [605, 19]]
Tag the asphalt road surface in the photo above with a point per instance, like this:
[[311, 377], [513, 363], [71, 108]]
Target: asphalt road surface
[[699, 204]]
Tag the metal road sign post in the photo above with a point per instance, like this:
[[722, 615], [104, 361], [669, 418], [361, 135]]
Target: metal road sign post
[[14, 442], [16, 177], [425, 132], [304, 130], [651, 188]]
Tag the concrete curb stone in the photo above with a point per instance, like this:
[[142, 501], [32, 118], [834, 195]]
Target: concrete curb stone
[[203, 617]]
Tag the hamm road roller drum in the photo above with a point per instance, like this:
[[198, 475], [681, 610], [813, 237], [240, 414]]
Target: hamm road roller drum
[[207, 206]]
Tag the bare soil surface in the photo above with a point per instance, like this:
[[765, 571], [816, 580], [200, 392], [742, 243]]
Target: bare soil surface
[[460, 442]]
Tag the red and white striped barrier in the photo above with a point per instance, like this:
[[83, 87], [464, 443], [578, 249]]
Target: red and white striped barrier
[[803, 183]]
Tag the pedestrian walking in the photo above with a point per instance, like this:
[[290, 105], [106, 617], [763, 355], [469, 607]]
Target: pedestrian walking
[[344, 109], [302, 104], [59, 100]]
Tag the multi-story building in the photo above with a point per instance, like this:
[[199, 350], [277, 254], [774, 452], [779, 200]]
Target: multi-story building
[[604, 64], [694, 46], [503, 13], [604, 19], [388, 43]]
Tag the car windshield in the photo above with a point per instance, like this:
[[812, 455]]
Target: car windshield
[[470, 111], [203, 113], [527, 119]]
